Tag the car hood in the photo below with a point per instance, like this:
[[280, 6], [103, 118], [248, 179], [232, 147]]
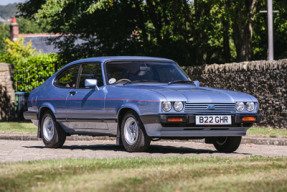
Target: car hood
[[193, 94]]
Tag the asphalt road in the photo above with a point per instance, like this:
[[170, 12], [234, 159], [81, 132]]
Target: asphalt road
[[11, 150]]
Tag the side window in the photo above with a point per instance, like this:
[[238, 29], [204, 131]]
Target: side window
[[69, 77], [91, 71]]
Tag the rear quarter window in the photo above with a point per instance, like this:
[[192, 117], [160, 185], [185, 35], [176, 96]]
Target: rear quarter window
[[68, 78]]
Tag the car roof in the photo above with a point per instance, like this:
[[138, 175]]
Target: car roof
[[117, 58]]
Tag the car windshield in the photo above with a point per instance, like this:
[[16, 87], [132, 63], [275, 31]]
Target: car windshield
[[123, 72]]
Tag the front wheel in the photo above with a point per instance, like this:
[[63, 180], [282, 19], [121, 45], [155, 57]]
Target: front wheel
[[52, 133], [133, 134], [227, 144]]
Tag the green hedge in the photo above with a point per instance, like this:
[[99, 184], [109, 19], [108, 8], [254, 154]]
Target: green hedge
[[31, 68], [33, 71]]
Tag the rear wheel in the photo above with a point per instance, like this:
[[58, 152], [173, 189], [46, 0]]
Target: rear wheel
[[52, 133], [133, 134], [227, 144]]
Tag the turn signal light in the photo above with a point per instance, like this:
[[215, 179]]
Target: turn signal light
[[248, 118], [174, 119]]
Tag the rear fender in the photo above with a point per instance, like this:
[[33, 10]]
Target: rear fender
[[44, 105]]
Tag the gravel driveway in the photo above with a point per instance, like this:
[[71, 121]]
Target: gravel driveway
[[11, 150]]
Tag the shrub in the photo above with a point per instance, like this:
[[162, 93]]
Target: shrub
[[31, 68]]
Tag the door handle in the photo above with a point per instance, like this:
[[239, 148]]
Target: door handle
[[72, 93]]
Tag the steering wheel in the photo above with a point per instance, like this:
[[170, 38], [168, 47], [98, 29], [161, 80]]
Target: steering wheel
[[120, 80]]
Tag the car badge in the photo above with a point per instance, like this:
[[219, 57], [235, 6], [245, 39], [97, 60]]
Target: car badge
[[211, 107]]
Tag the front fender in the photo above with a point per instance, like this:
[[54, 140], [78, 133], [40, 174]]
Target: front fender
[[132, 106]]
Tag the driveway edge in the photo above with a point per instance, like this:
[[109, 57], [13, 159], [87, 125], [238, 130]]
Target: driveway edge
[[245, 139]]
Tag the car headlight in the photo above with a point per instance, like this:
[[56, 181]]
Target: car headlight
[[178, 106], [250, 106], [239, 106], [166, 106]]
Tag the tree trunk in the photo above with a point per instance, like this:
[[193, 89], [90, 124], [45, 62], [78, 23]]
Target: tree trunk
[[201, 9], [226, 46], [242, 26]]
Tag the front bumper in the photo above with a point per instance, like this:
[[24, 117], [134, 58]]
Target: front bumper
[[158, 126], [190, 119]]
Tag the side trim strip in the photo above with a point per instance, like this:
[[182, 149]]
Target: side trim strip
[[86, 120], [61, 119], [28, 115], [95, 100]]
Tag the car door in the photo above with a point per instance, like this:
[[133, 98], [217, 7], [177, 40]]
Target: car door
[[85, 105], [63, 83]]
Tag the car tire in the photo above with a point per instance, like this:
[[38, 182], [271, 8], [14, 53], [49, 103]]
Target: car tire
[[53, 134], [227, 144], [133, 133]]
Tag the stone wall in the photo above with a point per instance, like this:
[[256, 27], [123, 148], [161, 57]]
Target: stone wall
[[7, 96], [265, 80]]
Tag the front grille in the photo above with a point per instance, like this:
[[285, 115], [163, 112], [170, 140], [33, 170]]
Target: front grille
[[202, 108]]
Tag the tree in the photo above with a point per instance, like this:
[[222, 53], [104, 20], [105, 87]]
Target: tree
[[242, 15], [31, 26], [135, 27], [4, 33], [189, 32], [102, 32]]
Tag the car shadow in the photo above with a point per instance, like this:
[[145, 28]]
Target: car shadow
[[153, 149]]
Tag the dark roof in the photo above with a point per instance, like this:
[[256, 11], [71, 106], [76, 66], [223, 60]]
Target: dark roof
[[40, 42]]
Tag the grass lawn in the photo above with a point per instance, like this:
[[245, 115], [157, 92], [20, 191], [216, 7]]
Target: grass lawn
[[14, 127], [24, 128], [267, 132], [253, 173]]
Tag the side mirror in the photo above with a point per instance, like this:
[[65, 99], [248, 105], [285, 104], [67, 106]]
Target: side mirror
[[92, 83], [196, 83]]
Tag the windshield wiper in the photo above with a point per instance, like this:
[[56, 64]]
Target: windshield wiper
[[140, 81], [180, 81]]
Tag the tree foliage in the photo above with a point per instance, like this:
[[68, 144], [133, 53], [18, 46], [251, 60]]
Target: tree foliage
[[190, 32], [31, 26], [4, 33]]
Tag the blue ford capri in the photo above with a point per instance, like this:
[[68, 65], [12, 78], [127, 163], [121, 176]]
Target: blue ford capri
[[137, 100]]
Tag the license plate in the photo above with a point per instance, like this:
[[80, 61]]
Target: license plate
[[213, 120]]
